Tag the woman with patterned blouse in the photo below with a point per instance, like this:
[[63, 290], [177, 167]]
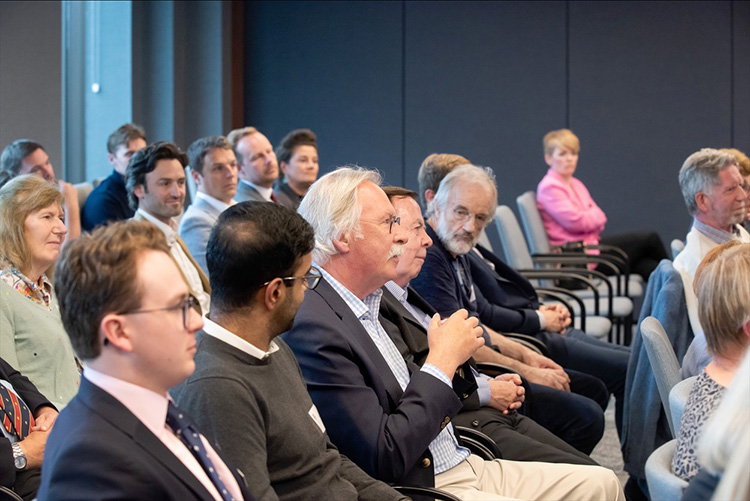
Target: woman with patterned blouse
[[32, 338], [722, 285]]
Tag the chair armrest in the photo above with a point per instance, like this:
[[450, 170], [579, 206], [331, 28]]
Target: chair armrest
[[429, 492], [486, 447], [563, 296], [576, 275], [580, 259]]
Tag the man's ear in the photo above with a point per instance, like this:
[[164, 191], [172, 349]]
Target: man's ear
[[196, 177], [703, 201], [341, 244], [115, 332], [111, 158], [274, 294], [138, 191], [429, 195], [282, 166]]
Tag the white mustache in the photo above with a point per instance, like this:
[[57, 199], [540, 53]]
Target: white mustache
[[396, 250]]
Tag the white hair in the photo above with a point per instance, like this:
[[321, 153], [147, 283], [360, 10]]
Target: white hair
[[332, 209], [700, 172], [471, 173]]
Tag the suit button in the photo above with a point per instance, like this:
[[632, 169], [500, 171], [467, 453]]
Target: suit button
[[475, 422], [465, 396], [426, 463], [445, 422]]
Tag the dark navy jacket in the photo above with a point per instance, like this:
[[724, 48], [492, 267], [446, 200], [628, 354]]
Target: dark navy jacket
[[108, 202]]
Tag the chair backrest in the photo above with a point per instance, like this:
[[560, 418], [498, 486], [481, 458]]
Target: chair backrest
[[514, 246], [677, 245], [678, 396], [662, 483], [533, 226], [84, 190], [663, 360]]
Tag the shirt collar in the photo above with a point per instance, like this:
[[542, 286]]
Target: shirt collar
[[716, 235], [170, 230], [398, 292], [215, 202], [264, 192], [217, 331], [149, 407], [355, 304]]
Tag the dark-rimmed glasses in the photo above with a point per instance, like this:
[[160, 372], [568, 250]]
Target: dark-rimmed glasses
[[311, 278], [185, 305]]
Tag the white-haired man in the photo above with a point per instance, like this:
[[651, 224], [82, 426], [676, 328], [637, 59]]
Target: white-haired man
[[711, 185], [390, 417]]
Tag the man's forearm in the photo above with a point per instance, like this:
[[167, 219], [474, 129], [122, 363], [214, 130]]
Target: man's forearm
[[487, 354], [510, 348]]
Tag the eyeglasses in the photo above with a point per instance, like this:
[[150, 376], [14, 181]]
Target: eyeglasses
[[462, 215], [393, 220], [311, 278], [185, 305]]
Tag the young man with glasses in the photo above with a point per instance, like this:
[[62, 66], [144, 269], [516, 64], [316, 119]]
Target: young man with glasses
[[131, 320], [247, 392]]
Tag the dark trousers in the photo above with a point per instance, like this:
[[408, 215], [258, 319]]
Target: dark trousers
[[576, 416], [605, 361], [519, 438], [645, 251]]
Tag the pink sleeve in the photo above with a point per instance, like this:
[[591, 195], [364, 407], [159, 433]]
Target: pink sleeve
[[557, 201]]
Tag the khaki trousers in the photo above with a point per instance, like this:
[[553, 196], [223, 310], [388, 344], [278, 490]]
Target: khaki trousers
[[477, 479]]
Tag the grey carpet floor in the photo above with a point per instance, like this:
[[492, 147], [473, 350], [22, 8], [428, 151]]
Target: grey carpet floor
[[607, 451]]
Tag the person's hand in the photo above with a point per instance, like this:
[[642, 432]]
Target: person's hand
[[534, 359], [33, 448], [553, 378], [506, 392], [553, 321], [44, 419], [453, 341]]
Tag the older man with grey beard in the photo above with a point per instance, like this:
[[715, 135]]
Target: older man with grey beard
[[389, 416]]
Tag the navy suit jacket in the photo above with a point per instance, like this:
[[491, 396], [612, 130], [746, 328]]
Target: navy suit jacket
[[107, 202], [513, 300], [384, 430], [27, 480], [99, 450]]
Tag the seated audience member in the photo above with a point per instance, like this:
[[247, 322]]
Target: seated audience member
[[247, 393], [121, 437], [512, 305], [258, 167], [390, 417], [109, 201], [214, 170], [743, 164], [724, 446], [156, 190], [25, 156], [462, 206], [27, 419], [433, 169], [571, 215], [492, 408], [298, 161], [32, 338], [711, 185], [722, 285]]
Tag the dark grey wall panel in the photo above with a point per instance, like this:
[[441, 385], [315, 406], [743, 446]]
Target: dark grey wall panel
[[649, 85], [485, 80], [741, 66], [334, 67]]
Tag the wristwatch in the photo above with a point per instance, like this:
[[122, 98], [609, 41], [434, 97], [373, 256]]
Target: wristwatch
[[19, 458]]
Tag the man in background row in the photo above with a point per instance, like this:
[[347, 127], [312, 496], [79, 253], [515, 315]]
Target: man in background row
[[298, 160], [258, 168]]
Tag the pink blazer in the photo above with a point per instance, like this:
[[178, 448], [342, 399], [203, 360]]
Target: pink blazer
[[568, 211]]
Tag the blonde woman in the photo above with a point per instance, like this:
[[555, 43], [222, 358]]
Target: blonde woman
[[32, 338]]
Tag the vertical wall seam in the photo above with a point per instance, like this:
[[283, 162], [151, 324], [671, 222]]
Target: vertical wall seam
[[403, 93], [567, 64], [731, 73]]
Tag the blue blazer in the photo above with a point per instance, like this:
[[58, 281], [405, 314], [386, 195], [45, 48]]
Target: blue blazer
[[384, 430], [513, 299], [107, 202], [195, 228], [99, 450]]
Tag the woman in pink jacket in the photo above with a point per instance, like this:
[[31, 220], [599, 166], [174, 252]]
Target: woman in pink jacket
[[571, 215]]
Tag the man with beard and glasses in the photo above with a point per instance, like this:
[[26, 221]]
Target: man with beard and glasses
[[156, 191], [247, 393], [462, 207], [389, 416]]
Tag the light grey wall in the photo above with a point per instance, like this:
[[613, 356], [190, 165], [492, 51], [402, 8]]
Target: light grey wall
[[30, 71]]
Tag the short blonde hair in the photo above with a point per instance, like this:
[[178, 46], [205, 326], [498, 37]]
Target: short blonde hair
[[234, 137], [743, 163], [20, 197], [560, 138], [722, 285]]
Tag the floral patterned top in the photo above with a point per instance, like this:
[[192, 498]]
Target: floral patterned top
[[703, 400], [39, 293]]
